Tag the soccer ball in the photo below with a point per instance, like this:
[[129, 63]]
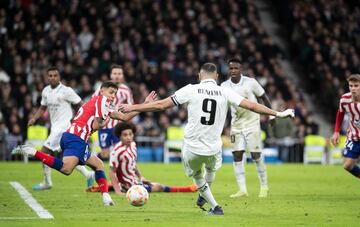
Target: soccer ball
[[137, 195]]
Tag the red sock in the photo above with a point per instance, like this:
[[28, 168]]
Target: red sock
[[49, 160], [182, 189], [102, 185]]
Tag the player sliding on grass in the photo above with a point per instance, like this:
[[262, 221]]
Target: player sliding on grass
[[350, 104], [207, 105], [91, 116], [123, 169]]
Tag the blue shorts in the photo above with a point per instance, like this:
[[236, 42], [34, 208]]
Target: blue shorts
[[107, 138], [352, 149], [73, 145]]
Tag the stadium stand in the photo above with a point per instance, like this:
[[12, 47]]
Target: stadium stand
[[160, 49]]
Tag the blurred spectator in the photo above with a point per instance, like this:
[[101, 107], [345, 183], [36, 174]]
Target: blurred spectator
[[160, 44]]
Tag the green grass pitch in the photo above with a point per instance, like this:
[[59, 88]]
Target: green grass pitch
[[300, 195]]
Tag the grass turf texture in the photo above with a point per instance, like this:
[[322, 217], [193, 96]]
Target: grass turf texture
[[299, 195]]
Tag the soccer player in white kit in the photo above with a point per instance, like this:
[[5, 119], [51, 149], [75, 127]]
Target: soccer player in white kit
[[207, 105], [245, 128], [58, 100]]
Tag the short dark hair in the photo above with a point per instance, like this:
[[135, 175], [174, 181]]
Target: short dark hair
[[53, 68], [209, 67], [115, 66], [123, 126], [353, 78], [235, 60], [108, 84]]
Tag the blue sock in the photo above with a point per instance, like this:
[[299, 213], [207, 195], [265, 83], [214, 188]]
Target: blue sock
[[166, 189], [99, 174], [355, 171], [58, 164]]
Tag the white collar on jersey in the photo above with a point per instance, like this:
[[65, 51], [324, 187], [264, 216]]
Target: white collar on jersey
[[57, 87], [208, 80]]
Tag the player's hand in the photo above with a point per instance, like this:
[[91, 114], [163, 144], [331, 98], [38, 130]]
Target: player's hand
[[151, 97], [272, 120], [335, 138], [125, 108], [286, 113], [31, 121]]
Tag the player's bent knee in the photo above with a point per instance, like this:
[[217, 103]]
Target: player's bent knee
[[256, 156], [66, 171], [347, 166], [238, 155]]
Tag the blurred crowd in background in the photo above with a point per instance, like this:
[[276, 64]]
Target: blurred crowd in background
[[161, 45], [325, 41]]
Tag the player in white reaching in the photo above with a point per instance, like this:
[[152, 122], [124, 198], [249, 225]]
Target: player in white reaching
[[245, 128], [207, 105], [58, 100]]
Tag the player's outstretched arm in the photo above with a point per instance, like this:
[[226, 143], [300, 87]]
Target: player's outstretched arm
[[339, 118], [114, 181], [126, 116], [37, 115], [261, 109], [148, 107]]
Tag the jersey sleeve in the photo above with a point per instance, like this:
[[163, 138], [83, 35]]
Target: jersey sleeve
[[183, 95], [113, 160], [72, 97], [103, 107], [258, 90], [43, 98], [233, 98]]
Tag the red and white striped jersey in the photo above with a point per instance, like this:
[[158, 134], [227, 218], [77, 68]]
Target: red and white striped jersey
[[123, 159], [352, 108], [97, 106], [123, 96]]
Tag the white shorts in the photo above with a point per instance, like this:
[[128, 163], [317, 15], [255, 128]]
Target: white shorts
[[249, 141], [53, 141], [193, 163]]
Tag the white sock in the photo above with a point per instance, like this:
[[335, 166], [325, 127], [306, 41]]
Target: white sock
[[84, 171], [209, 177], [239, 169], [262, 173], [47, 174], [205, 192]]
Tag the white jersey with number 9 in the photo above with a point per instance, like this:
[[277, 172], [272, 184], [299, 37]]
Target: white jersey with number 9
[[207, 107]]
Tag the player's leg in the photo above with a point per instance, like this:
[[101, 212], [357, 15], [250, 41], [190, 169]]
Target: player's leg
[[253, 141], [351, 155], [238, 145], [193, 168], [262, 173], [349, 165], [88, 174], [47, 182], [95, 163], [156, 187]]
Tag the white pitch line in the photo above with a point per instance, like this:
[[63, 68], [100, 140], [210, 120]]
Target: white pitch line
[[29, 200], [16, 218]]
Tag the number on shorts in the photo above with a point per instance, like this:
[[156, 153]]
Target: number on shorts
[[349, 145], [209, 106]]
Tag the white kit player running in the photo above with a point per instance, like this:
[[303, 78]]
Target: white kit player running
[[207, 105], [58, 100], [245, 128], [123, 95]]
